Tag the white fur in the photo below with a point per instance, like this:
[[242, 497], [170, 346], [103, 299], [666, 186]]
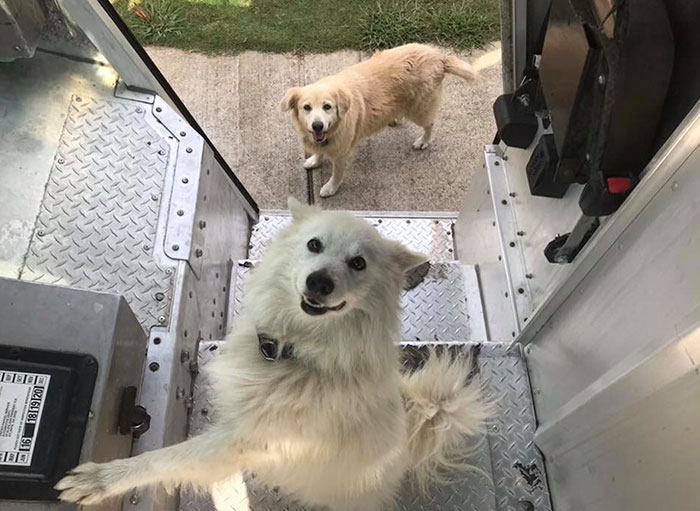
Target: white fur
[[339, 426]]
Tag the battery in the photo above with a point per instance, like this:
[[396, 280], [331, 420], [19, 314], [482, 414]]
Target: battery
[[45, 401]]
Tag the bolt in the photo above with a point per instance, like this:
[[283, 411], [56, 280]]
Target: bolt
[[495, 428], [154, 366], [675, 186], [160, 296], [601, 79], [40, 233], [159, 109], [176, 247], [182, 133], [169, 271], [146, 248], [199, 252], [161, 320], [179, 393], [134, 499], [154, 197], [202, 224], [180, 212], [184, 356], [512, 243], [185, 180], [61, 161], [188, 150]]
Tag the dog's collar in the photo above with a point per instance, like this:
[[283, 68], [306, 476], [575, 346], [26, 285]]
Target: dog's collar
[[269, 349]]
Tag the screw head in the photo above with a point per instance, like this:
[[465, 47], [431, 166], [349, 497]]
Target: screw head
[[154, 197], [154, 366], [161, 319], [495, 428], [182, 133], [160, 296], [169, 271], [61, 160], [176, 247], [180, 212], [40, 233], [185, 180], [159, 109], [188, 150], [146, 248]]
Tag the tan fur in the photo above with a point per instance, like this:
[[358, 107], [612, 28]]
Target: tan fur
[[404, 82]]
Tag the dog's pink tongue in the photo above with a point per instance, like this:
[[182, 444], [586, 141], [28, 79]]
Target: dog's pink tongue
[[318, 137]]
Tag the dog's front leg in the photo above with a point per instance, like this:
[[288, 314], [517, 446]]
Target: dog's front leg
[[312, 161], [199, 461], [339, 165]]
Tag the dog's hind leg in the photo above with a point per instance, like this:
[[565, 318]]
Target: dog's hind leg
[[423, 142], [199, 461], [339, 166], [312, 161], [424, 115]]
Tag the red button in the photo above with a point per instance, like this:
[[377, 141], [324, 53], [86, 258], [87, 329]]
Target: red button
[[617, 185]]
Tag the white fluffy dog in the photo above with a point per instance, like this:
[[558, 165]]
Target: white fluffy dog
[[309, 388], [333, 114]]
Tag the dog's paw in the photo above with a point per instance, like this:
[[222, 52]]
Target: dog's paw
[[395, 123], [420, 144], [312, 162], [328, 189], [83, 485]]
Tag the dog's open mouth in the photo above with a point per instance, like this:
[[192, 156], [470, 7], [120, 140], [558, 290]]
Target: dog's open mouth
[[313, 308], [319, 137]]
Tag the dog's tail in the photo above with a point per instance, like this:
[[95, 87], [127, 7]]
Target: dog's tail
[[445, 404], [458, 67]]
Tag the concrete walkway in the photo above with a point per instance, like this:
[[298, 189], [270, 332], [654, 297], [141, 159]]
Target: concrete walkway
[[236, 100]]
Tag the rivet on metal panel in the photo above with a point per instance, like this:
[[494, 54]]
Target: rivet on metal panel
[[496, 163], [528, 275], [160, 296], [512, 244], [504, 202], [161, 152], [159, 109], [512, 194], [185, 180], [205, 411], [521, 290], [180, 212], [176, 247], [154, 197], [169, 271], [520, 233], [40, 233], [139, 110], [79, 99], [188, 150], [675, 186], [154, 366], [495, 428], [161, 319], [146, 248], [61, 160], [182, 133]]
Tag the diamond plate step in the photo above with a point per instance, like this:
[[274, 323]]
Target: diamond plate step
[[444, 307], [430, 234], [510, 475]]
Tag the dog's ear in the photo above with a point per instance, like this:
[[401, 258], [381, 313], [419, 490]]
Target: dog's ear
[[298, 210], [405, 258], [290, 99], [343, 100]]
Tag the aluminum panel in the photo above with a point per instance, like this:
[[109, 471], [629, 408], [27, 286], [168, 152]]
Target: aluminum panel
[[96, 228], [510, 475], [431, 236]]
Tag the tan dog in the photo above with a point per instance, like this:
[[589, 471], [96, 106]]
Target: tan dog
[[334, 113]]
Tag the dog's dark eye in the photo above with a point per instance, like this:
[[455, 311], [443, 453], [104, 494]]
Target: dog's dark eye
[[307, 108], [314, 245], [357, 263], [327, 107]]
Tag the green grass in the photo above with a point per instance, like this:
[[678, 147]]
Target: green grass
[[231, 26]]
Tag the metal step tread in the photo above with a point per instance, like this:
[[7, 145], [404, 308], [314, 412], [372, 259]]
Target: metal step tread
[[510, 471], [428, 233]]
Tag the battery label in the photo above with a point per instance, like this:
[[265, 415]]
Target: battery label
[[22, 397]]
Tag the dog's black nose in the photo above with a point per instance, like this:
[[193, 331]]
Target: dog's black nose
[[317, 126], [319, 282]]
